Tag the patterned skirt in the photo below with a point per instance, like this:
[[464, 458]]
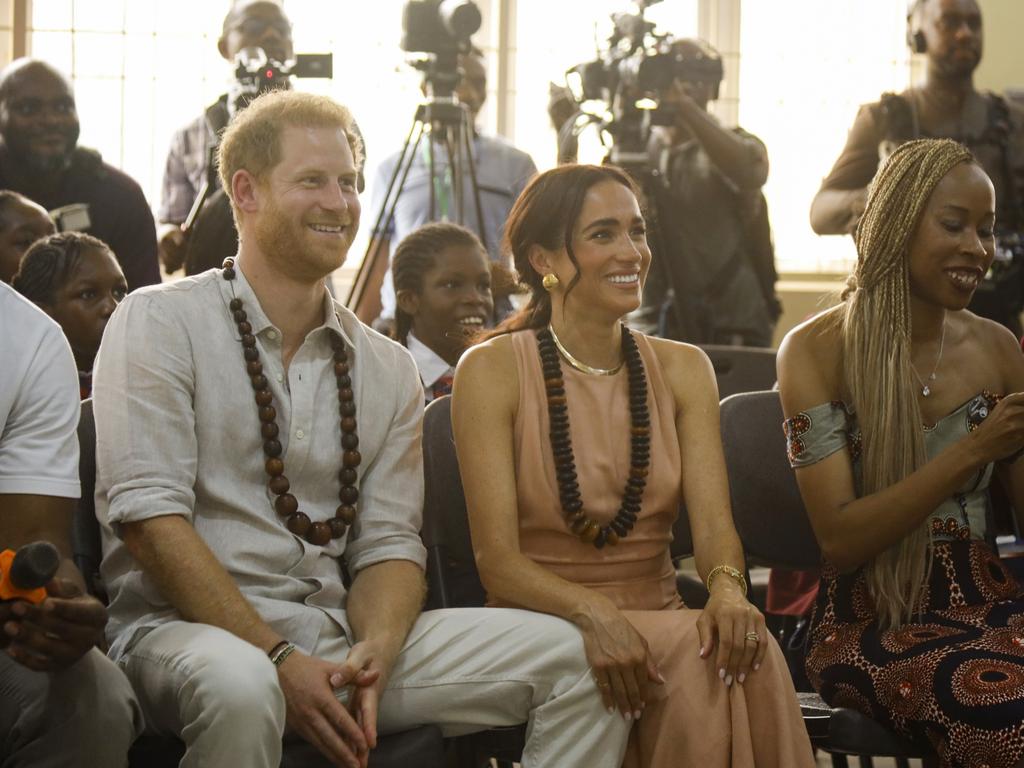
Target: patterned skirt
[[953, 680]]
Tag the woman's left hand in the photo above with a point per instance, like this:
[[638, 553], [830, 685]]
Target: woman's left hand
[[731, 623]]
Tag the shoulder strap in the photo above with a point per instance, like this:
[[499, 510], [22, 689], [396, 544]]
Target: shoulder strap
[[898, 121]]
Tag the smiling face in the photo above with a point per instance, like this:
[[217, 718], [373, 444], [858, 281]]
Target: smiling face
[[454, 303], [307, 210], [84, 303], [954, 244], [38, 120], [609, 241], [21, 224]]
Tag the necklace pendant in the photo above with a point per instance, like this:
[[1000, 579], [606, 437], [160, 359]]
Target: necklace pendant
[[926, 390]]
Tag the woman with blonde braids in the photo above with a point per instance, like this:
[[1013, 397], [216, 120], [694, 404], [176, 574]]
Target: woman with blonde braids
[[899, 416]]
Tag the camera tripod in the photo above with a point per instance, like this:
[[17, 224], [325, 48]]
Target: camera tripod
[[441, 122]]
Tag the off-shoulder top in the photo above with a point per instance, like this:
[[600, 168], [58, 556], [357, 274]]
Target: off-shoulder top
[[818, 432]]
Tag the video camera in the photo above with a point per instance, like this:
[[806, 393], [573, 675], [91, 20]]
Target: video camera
[[631, 77], [256, 73], [441, 29]]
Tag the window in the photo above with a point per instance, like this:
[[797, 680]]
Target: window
[[805, 69]]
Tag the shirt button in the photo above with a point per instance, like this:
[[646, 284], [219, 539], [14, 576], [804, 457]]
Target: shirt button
[[280, 377], [272, 334], [299, 434]]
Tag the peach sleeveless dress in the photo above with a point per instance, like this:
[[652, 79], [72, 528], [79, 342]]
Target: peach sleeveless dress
[[697, 720]]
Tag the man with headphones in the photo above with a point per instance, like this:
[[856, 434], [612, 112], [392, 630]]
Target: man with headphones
[[714, 280], [946, 105]]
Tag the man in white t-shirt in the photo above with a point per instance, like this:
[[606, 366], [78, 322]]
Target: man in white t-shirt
[[63, 702]]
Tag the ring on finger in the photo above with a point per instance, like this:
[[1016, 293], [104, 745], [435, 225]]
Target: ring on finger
[[753, 637]]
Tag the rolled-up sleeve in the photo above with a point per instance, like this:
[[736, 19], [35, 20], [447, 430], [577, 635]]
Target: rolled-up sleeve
[[145, 422], [391, 488]]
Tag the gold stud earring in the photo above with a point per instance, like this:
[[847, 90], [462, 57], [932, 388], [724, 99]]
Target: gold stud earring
[[549, 281]]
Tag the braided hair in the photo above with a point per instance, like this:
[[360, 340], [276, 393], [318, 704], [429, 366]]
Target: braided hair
[[876, 350], [50, 262], [416, 255]]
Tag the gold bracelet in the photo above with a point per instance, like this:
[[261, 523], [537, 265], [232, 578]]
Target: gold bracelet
[[728, 570]]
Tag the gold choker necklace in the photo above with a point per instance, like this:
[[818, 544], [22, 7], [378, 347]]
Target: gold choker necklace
[[583, 367]]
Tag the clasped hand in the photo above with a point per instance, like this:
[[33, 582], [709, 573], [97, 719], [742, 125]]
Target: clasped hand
[[55, 633], [730, 623], [344, 736]]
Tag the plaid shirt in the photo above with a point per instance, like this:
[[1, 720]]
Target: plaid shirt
[[187, 159]]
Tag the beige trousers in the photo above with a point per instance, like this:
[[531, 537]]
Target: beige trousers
[[464, 669]]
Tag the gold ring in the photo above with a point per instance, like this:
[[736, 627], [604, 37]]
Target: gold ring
[[753, 636], [602, 686]]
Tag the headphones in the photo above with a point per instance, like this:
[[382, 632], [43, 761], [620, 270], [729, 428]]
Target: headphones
[[915, 37]]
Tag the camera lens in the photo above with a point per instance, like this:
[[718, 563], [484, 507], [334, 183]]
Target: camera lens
[[460, 17]]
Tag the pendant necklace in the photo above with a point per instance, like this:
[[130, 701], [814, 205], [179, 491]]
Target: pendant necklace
[[926, 388]]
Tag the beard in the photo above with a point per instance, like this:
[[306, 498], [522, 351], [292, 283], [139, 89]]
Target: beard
[[296, 250], [43, 162]]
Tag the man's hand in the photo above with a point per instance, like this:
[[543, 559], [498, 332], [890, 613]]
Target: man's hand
[[171, 247], [314, 712], [368, 687], [57, 632]]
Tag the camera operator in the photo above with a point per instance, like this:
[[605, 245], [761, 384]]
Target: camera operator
[[947, 105], [502, 171], [249, 23], [713, 220]]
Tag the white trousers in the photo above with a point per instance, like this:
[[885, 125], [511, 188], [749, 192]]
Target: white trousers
[[464, 669]]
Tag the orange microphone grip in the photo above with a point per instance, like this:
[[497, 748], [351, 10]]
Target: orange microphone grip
[[23, 574]]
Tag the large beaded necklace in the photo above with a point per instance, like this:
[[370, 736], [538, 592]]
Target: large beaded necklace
[[585, 528], [286, 505]]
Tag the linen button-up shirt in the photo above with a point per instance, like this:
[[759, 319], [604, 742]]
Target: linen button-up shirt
[[178, 434]]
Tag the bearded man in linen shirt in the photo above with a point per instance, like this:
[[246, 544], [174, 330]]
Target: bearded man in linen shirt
[[234, 411]]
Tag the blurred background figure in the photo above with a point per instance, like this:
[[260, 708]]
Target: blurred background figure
[[76, 280], [22, 222], [41, 159], [249, 24]]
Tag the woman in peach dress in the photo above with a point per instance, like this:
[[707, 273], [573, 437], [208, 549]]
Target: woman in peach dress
[[577, 438]]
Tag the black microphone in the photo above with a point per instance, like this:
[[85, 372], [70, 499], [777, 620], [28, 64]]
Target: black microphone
[[24, 573]]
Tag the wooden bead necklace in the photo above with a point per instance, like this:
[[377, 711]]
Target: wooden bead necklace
[[286, 505], [585, 528]]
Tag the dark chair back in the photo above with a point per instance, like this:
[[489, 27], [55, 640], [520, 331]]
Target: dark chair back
[[766, 505], [741, 369], [452, 578], [85, 530]]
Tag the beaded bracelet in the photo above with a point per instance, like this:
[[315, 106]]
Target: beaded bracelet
[[728, 570], [277, 657]]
